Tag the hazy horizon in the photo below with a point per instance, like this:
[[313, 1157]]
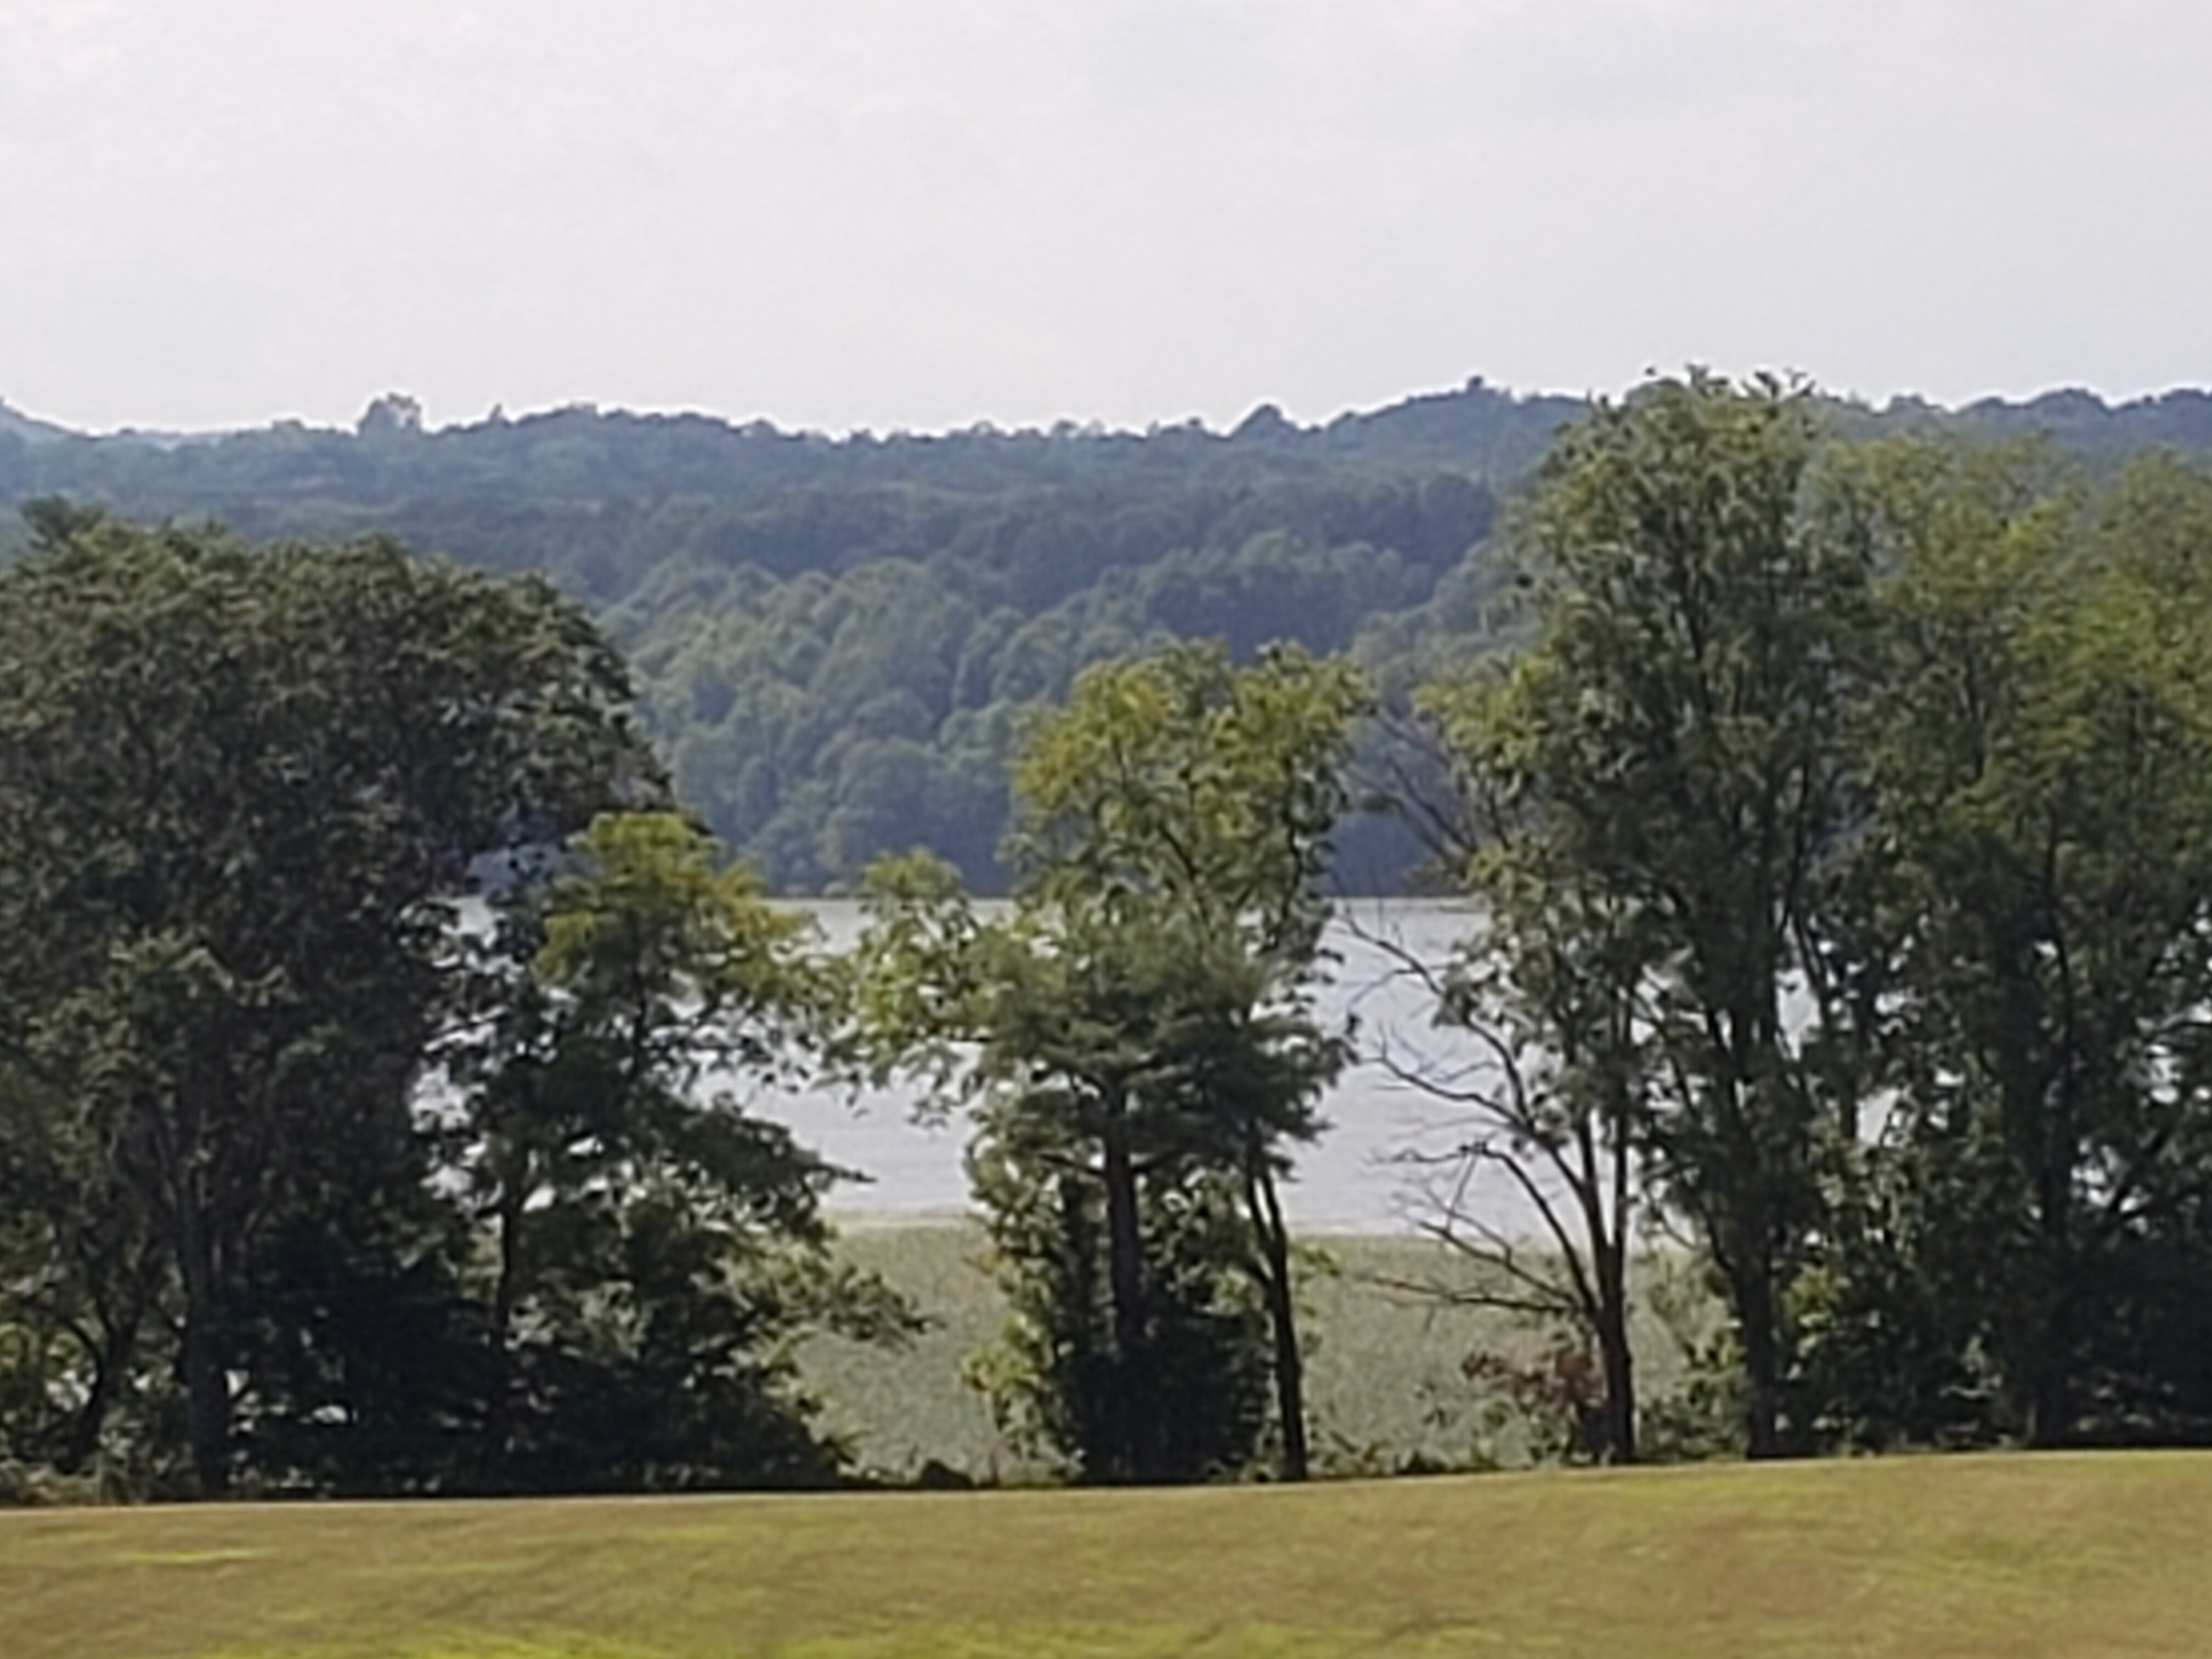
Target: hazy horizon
[[853, 214], [1315, 422]]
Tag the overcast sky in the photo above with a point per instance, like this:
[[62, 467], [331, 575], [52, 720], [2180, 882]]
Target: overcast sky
[[924, 213]]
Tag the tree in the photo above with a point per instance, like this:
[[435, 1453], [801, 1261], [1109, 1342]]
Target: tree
[[653, 1246], [1132, 1348], [1550, 1088], [2040, 755], [1146, 1046], [80, 1283], [1674, 738], [240, 789]]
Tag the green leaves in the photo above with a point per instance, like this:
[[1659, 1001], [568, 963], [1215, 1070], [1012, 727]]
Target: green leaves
[[240, 789], [1869, 782], [1661, 791], [1137, 1044], [2042, 776], [653, 1249], [1178, 778]]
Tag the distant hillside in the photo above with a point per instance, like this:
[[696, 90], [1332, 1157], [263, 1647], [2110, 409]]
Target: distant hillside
[[25, 429], [835, 638]]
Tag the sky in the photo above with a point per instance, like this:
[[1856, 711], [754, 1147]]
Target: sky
[[922, 214]]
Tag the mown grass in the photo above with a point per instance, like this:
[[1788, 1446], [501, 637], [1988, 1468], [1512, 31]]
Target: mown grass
[[2019, 1555], [1386, 1383]]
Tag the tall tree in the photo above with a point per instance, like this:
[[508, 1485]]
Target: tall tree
[[2043, 760], [1180, 794], [1144, 1017], [1675, 735], [651, 1246], [241, 789]]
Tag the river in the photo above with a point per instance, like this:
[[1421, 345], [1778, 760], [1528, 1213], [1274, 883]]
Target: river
[[1353, 1179]]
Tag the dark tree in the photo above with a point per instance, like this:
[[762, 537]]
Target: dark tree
[[241, 790]]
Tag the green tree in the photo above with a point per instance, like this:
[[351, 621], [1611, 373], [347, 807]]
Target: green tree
[[81, 1284], [241, 789], [2042, 756], [1185, 797], [1133, 1348], [1146, 1046], [1674, 738], [654, 1248]]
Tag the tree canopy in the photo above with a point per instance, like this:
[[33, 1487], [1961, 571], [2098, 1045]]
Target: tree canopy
[[243, 792], [379, 1041], [833, 638], [1145, 1056], [1841, 841]]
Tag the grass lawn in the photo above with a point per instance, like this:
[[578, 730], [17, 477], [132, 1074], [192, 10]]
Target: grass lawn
[[2019, 1556]]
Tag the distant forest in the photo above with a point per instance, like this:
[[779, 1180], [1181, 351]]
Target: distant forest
[[836, 640]]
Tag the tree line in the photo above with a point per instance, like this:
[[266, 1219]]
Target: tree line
[[376, 1041], [1843, 840], [310, 1179], [835, 641]]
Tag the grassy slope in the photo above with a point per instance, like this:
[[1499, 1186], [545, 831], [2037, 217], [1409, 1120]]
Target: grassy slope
[[2022, 1556]]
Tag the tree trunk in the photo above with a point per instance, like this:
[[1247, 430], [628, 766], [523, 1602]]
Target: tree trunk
[[1125, 1266], [85, 1422], [2049, 1408], [182, 1163], [1275, 1287], [1616, 1359], [111, 1358], [1755, 1324], [499, 1409], [207, 1380], [2050, 1414]]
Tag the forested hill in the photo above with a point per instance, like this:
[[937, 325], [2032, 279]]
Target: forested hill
[[834, 637]]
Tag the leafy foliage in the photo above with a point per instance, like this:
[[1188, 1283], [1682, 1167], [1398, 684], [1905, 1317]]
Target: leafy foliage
[[1674, 743], [2039, 759], [243, 793], [1144, 1052], [239, 790], [835, 640], [1842, 843], [833, 637], [652, 1248]]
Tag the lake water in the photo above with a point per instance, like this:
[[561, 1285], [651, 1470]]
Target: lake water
[[1354, 1178]]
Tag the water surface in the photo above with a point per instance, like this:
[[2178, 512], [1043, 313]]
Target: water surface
[[1354, 1178]]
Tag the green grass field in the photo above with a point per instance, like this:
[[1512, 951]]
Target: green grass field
[[2013, 1555]]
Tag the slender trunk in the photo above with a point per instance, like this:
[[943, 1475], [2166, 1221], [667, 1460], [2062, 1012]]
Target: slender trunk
[[181, 1160], [1599, 1181], [499, 1412], [207, 1380], [2050, 1410], [85, 1422], [1135, 1437], [1266, 1210], [1755, 1325], [1616, 1359], [2057, 1152], [111, 1358], [1751, 1061]]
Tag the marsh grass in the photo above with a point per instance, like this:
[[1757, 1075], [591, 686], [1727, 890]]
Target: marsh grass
[[1389, 1386]]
